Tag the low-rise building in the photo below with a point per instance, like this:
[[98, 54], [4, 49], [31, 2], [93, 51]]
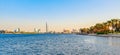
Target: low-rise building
[[66, 31]]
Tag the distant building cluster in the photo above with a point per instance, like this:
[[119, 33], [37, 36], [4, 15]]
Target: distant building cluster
[[18, 31], [36, 30]]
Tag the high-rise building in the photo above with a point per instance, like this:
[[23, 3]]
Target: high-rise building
[[46, 27]]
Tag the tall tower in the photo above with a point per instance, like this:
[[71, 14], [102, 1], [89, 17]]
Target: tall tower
[[46, 27]]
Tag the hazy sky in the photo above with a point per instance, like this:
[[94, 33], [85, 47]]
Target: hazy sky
[[59, 14]]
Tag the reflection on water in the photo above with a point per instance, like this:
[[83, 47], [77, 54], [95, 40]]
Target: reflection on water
[[112, 41], [58, 44], [92, 40]]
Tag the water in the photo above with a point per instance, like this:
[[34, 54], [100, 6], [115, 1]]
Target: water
[[58, 44]]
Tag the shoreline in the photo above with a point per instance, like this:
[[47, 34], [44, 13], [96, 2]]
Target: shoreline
[[105, 35], [97, 35]]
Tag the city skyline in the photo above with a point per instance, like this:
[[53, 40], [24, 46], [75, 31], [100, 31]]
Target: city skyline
[[59, 14]]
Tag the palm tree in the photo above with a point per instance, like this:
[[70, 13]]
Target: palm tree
[[113, 25], [109, 23], [106, 27], [117, 25]]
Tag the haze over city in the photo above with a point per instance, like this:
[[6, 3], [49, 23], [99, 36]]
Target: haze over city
[[59, 14]]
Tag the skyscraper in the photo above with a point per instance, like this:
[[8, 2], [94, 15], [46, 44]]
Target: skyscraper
[[46, 27]]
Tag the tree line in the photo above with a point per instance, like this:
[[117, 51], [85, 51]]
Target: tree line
[[110, 26]]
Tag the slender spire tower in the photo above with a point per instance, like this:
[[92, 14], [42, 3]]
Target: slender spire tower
[[46, 27]]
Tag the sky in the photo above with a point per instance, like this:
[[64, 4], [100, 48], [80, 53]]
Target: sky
[[59, 14]]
